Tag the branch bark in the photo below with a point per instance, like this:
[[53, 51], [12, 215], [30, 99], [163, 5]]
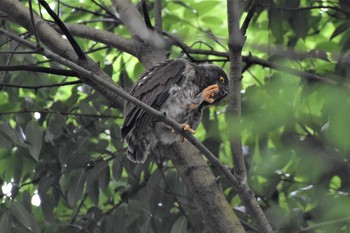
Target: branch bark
[[130, 46], [206, 189], [154, 49]]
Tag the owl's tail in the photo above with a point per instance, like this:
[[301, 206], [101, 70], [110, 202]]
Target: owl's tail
[[138, 149]]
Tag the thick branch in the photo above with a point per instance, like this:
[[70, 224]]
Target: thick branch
[[133, 21], [130, 46], [206, 189], [234, 108]]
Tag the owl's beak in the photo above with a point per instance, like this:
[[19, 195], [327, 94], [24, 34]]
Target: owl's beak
[[223, 92]]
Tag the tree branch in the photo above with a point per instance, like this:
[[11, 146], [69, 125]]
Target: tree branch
[[249, 17], [130, 46], [112, 87], [236, 42]]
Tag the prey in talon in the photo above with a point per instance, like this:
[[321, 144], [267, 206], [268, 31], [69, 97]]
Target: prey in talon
[[178, 88]]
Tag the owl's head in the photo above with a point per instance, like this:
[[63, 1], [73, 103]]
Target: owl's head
[[212, 74]]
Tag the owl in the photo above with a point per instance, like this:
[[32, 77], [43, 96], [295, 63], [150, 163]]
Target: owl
[[179, 89]]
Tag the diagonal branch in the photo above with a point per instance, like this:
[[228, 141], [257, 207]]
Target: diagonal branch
[[111, 86]]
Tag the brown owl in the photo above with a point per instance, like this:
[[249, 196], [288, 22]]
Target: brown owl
[[178, 88]]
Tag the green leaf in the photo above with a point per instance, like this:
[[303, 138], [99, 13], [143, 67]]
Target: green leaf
[[24, 217], [340, 29], [204, 7], [212, 20], [75, 187], [117, 169], [5, 142], [8, 132], [5, 222], [180, 225], [93, 190], [34, 136], [300, 24]]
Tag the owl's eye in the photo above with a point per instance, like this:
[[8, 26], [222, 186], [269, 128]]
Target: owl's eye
[[222, 80]]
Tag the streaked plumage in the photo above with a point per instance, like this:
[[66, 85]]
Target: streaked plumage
[[174, 87]]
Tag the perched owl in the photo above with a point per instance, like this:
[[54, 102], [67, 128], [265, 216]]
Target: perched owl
[[178, 88]]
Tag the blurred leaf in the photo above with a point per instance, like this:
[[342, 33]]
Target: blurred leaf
[[75, 187], [299, 23], [340, 29], [6, 222], [24, 217], [180, 226], [34, 137], [8, 132], [204, 7], [117, 169]]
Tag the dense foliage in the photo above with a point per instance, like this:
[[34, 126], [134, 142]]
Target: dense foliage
[[62, 160]]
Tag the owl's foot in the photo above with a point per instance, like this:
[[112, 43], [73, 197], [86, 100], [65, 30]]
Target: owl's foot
[[210, 92], [188, 128]]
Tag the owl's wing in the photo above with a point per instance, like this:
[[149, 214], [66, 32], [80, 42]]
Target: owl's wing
[[152, 88]]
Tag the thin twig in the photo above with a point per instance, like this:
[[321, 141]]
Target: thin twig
[[41, 86], [64, 29], [158, 16], [323, 224], [249, 17], [35, 68], [33, 24]]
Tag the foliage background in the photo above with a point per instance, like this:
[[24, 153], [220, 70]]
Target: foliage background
[[60, 141]]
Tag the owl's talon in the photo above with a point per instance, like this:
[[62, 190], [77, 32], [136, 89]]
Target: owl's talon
[[188, 128], [210, 92]]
